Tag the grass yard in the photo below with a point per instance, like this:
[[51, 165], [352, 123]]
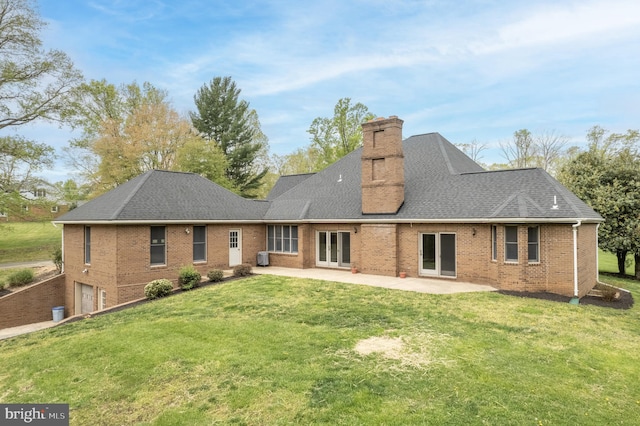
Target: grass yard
[[608, 262], [28, 241], [276, 350]]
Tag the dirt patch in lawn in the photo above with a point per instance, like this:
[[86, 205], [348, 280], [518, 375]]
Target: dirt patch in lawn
[[417, 351]]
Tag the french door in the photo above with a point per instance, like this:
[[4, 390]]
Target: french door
[[438, 254], [333, 249]]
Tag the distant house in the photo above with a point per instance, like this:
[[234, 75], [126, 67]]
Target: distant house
[[419, 206], [33, 206]]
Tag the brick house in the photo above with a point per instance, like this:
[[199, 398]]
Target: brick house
[[419, 206]]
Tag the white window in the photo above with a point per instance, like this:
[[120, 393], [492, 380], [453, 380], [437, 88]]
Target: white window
[[282, 238], [533, 243], [511, 243], [103, 299]]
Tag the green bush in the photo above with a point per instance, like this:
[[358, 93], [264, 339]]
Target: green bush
[[215, 275], [158, 288], [20, 277], [57, 258], [189, 277], [242, 270]]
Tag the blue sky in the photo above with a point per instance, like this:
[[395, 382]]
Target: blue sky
[[466, 69]]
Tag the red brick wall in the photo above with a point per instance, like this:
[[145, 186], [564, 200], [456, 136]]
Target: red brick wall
[[380, 252], [587, 258], [32, 304], [554, 272], [382, 164], [120, 257]]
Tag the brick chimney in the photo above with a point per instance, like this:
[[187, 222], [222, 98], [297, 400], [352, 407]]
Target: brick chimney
[[382, 166]]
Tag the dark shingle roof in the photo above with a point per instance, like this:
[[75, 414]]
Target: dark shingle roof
[[285, 183], [169, 196], [441, 184]]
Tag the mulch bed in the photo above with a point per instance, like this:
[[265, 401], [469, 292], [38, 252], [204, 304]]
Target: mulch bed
[[625, 301]]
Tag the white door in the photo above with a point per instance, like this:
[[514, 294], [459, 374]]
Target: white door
[[235, 247], [87, 299], [333, 249]]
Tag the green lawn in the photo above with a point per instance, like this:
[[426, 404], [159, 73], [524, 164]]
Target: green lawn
[[608, 262], [276, 350], [24, 242]]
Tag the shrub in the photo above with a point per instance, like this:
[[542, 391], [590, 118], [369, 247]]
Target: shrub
[[188, 277], [215, 275], [20, 277], [242, 270], [57, 258], [158, 288], [609, 293]]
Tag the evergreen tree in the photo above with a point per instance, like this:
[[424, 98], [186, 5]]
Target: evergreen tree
[[222, 117]]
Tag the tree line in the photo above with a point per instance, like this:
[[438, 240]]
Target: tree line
[[128, 129]]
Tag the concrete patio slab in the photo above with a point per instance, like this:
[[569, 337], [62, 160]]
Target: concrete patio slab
[[420, 285]]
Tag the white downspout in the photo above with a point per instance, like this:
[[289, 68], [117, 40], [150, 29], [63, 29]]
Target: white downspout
[[575, 227], [597, 255]]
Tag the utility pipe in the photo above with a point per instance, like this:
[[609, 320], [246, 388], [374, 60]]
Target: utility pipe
[[575, 261]]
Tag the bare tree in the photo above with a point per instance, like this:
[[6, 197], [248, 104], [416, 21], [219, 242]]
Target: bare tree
[[519, 153], [549, 147], [472, 149]]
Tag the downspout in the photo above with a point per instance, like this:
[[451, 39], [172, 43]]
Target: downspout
[[575, 300]]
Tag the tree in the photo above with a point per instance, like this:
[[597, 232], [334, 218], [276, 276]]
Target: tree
[[548, 149], [132, 129], [34, 84], [222, 118], [542, 150], [19, 160], [472, 149], [607, 177], [70, 192], [520, 152], [337, 136]]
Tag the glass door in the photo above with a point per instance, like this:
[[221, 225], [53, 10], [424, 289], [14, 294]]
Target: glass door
[[437, 254], [333, 249]]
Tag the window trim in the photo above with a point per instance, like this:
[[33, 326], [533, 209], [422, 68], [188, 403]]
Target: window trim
[[200, 243], [276, 239], [536, 243], [162, 244], [508, 243]]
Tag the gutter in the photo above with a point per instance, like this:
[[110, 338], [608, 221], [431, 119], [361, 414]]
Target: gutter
[[575, 300], [337, 220]]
